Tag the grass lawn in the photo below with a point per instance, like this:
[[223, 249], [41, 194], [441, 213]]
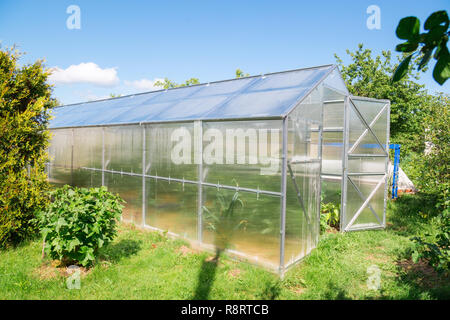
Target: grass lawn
[[147, 265]]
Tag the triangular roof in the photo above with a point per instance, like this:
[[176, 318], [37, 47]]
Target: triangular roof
[[266, 96]]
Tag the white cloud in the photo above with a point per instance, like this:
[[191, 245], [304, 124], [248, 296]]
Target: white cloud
[[144, 84], [88, 72]]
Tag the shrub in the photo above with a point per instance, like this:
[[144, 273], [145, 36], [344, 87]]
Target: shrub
[[78, 222], [434, 182], [435, 248], [329, 216], [24, 113]]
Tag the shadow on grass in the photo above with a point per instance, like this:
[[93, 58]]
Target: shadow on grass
[[206, 277], [271, 291], [422, 280], [333, 292], [114, 252]]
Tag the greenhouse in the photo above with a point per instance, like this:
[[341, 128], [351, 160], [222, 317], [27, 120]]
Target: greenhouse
[[283, 142]]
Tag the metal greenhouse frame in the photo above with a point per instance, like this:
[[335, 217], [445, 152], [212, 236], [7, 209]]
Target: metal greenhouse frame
[[285, 136]]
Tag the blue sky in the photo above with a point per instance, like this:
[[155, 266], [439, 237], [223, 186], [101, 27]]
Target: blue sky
[[123, 46]]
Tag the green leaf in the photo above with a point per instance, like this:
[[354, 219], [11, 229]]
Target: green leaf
[[406, 47], [401, 70], [435, 19], [441, 70], [425, 59], [435, 35], [415, 256], [408, 28]]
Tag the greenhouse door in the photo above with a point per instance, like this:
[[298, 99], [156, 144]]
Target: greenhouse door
[[365, 164]]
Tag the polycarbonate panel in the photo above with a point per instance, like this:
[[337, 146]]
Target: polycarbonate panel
[[302, 228], [123, 148], [332, 152], [303, 178], [60, 157], [380, 128], [252, 229], [331, 189], [87, 147], [172, 206], [365, 184], [367, 164], [310, 109], [170, 150], [365, 140], [84, 178], [243, 153], [129, 189], [259, 104], [368, 108], [60, 150], [59, 176], [331, 94], [335, 82], [271, 95], [333, 115]]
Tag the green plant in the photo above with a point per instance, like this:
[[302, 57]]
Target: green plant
[[329, 216], [435, 248], [434, 40], [25, 105], [78, 222], [222, 219]]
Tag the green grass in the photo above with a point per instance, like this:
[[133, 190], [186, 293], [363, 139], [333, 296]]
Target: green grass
[[147, 265]]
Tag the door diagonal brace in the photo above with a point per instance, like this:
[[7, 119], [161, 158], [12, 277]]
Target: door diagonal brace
[[363, 199], [365, 203]]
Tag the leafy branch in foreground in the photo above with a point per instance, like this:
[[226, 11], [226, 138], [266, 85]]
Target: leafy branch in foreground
[[432, 43]]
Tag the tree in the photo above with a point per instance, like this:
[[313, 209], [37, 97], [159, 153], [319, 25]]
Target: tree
[[167, 84], [241, 74], [371, 77], [25, 106], [422, 45]]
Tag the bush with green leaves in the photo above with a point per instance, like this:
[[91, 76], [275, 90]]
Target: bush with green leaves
[[434, 181], [329, 216], [79, 222], [25, 104], [435, 247]]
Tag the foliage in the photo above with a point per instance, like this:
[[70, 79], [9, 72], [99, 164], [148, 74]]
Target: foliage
[[168, 84], [329, 216], [25, 104], [435, 247], [370, 77], [222, 220], [241, 74], [434, 164], [78, 222], [434, 181], [424, 44]]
